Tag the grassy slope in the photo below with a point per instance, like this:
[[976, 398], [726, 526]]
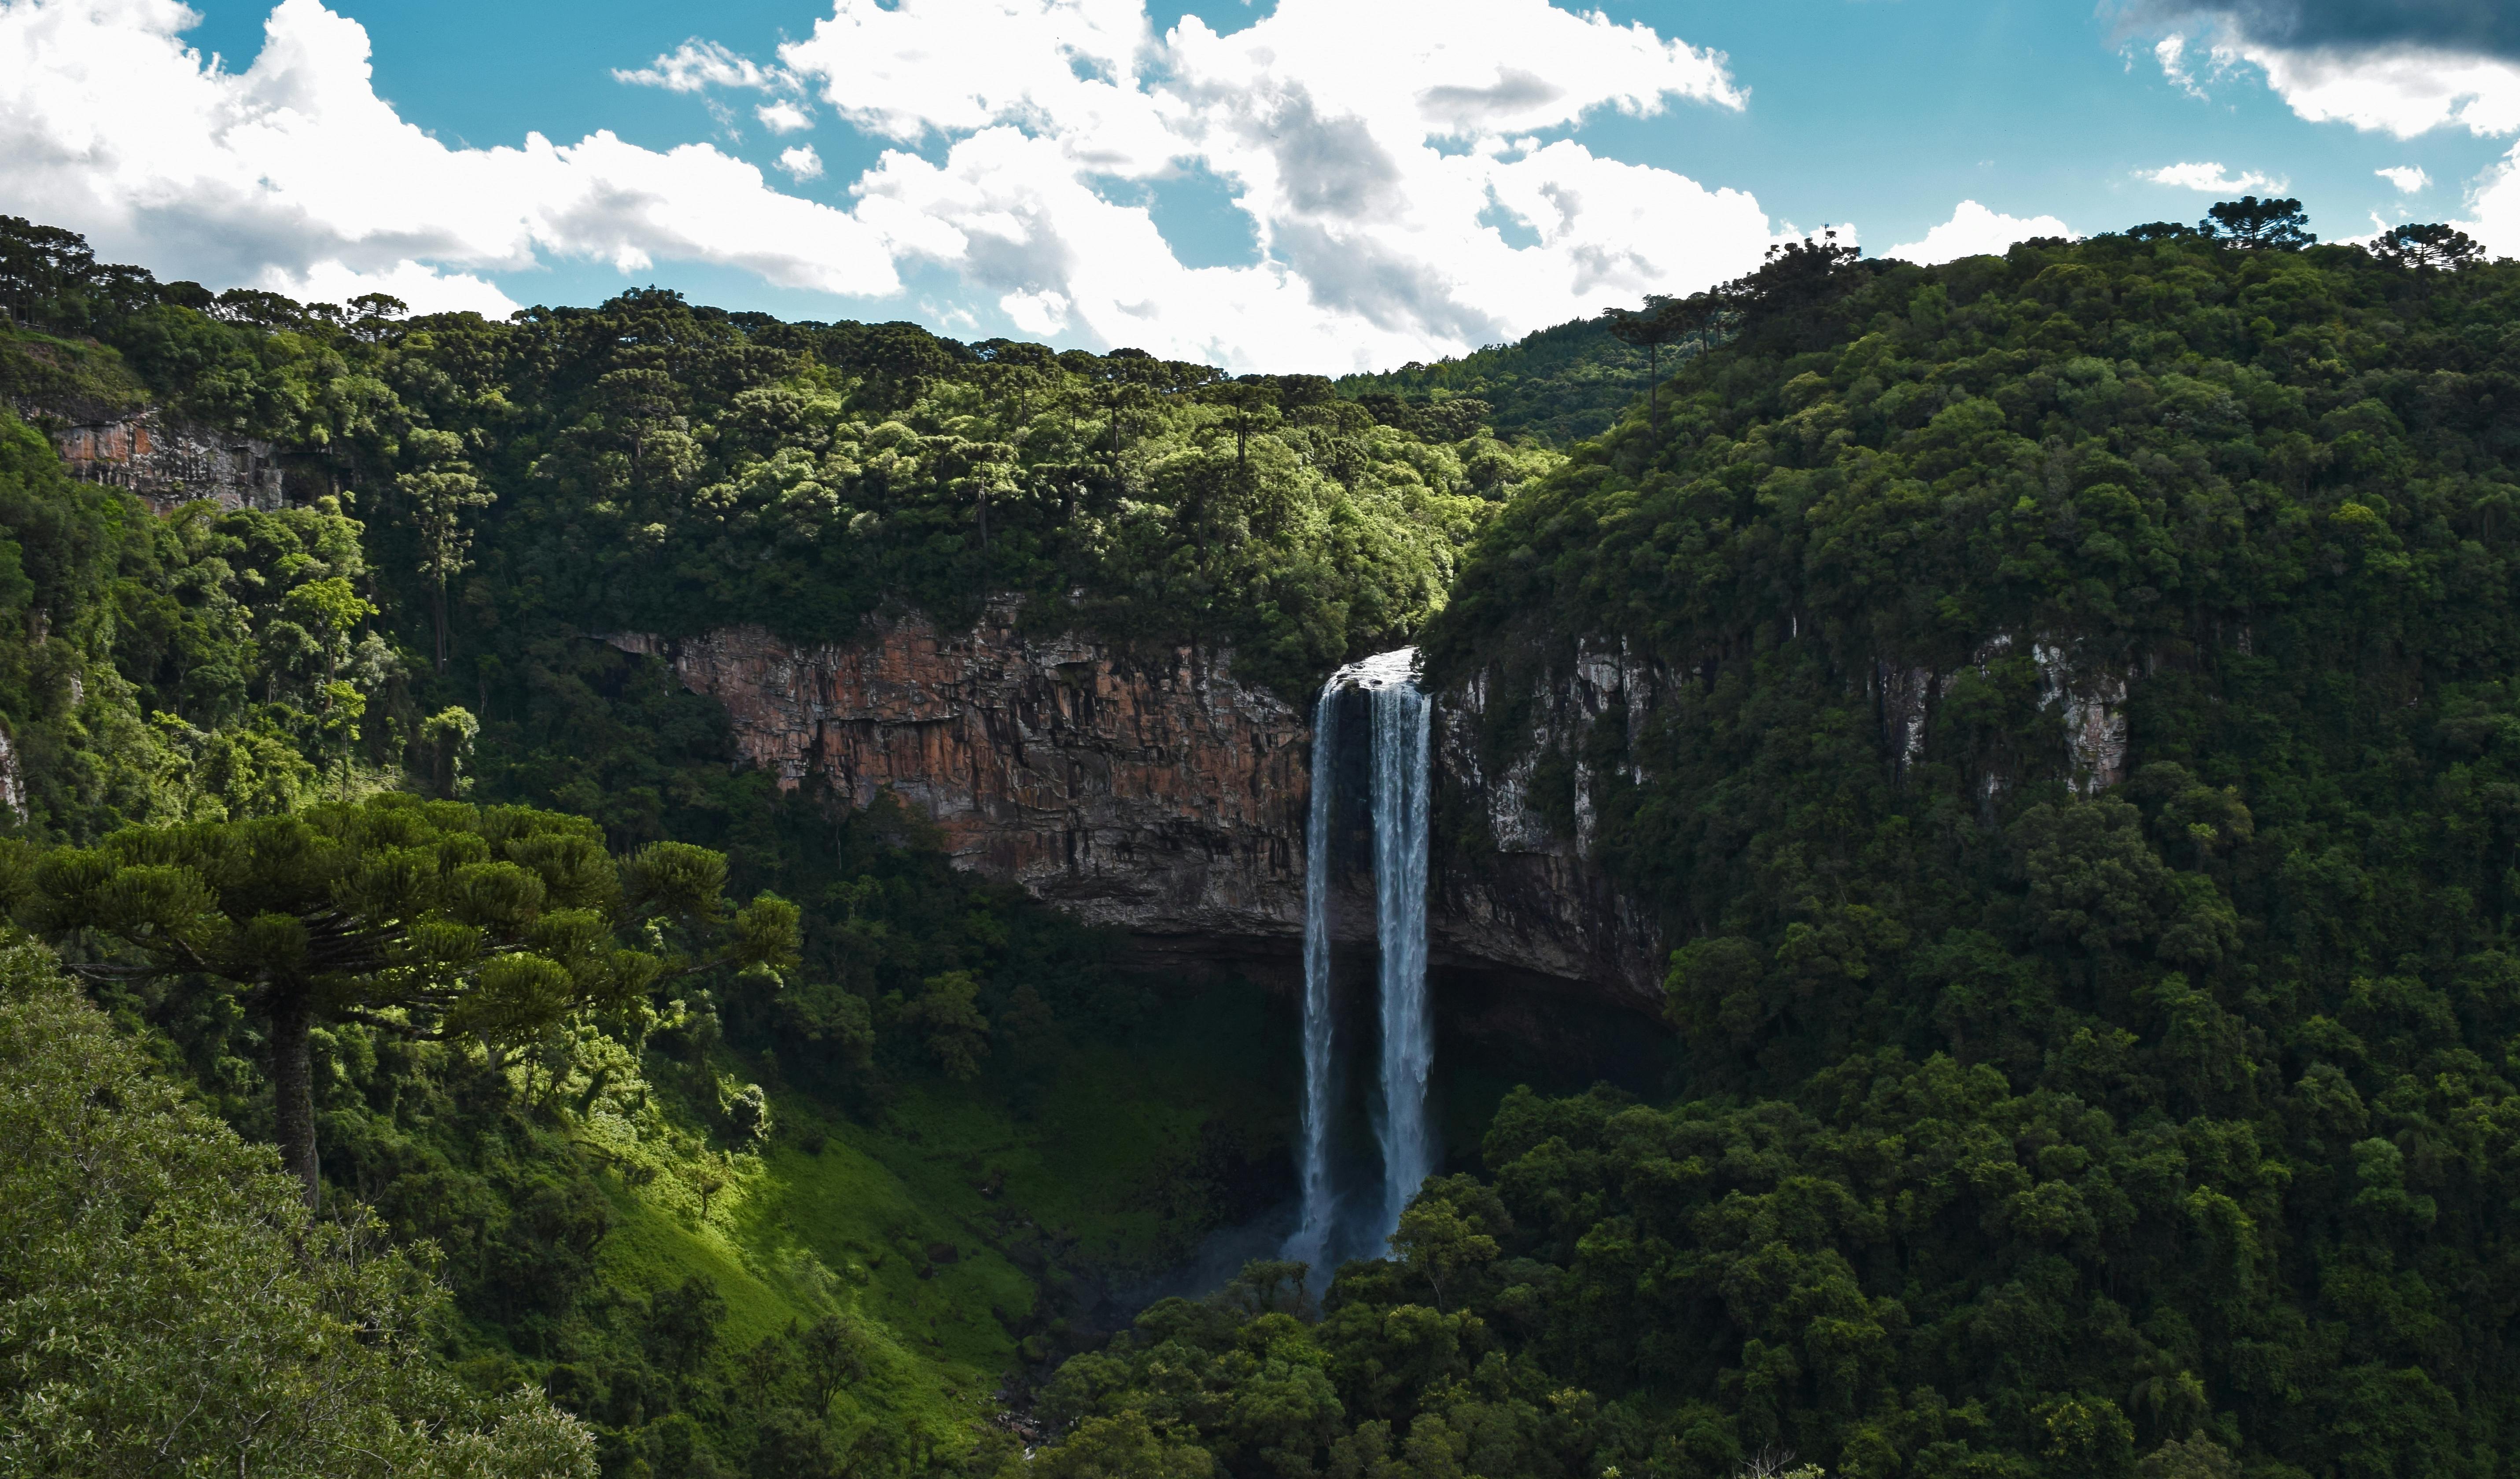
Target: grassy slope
[[1091, 1167]]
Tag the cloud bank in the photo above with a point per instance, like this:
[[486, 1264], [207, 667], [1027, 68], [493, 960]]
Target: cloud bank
[[1384, 155], [1976, 231], [294, 175], [2402, 68], [2485, 27], [1403, 167]]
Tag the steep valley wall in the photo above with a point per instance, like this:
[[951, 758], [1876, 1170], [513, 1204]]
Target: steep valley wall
[[1147, 790]]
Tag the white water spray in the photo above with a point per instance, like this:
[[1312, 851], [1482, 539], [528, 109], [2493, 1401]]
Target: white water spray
[[1400, 735], [1400, 723], [1312, 1240]]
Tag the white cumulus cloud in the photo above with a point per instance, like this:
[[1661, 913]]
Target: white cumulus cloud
[[2493, 207], [1976, 231], [1404, 169], [2409, 178], [2403, 69], [696, 66], [424, 288], [782, 116], [1363, 145], [2402, 90], [1041, 313], [295, 171], [2171, 52], [2212, 179]]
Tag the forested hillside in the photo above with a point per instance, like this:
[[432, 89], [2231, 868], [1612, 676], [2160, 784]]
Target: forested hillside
[[2049, 1111], [794, 1216], [2072, 772], [1557, 386]]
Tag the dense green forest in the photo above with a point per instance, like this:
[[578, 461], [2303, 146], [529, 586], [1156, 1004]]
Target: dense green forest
[[1559, 385], [2033, 1124], [801, 1213], [2073, 786]]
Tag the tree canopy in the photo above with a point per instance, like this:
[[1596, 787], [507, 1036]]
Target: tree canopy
[[168, 1306], [2062, 732], [427, 917]]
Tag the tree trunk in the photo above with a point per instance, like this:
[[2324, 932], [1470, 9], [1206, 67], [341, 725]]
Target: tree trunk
[[293, 1092]]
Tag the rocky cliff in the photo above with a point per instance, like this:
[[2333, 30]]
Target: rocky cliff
[[1149, 790], [1513, 890], [169, 462]]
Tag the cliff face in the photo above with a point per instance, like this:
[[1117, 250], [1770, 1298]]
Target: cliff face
[[1153, 792], [1514, 891], [1518, 889], [169, 462]]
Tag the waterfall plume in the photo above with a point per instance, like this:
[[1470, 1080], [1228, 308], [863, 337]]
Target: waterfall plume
[[1399, 734], [1312, 1240], [1400, 743]]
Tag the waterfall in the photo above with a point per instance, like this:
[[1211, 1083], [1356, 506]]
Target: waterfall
[[1401, 722], [1400, 742], [1312, 1240]]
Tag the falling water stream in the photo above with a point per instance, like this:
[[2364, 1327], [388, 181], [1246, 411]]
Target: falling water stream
[[1311, 1242], [1400, 735]]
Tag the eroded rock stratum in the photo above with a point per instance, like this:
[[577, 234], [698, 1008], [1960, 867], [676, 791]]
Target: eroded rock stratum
[[1142, 787]]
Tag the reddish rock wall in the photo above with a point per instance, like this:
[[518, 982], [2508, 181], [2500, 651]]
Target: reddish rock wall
[[1147, 791], [168, 462]]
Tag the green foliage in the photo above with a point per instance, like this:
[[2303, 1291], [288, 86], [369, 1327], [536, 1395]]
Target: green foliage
[[612, 1165], [447, 918], [167, 1305], [654, 466], [1380, 1386], [2049, 1106], [1124, 1447], [446, 747], [679, 473], [2273, 224], [73, 378], [579, 1177], [190, 668], [2046, 1107], [1559, 385], [955, 1031]]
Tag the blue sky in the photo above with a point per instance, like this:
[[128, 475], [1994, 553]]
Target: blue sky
[[1260, 185]]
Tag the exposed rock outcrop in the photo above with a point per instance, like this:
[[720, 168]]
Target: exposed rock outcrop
[[169, 462], [1531, 899], [1149, 790], [13, 779], [1145, 790]]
